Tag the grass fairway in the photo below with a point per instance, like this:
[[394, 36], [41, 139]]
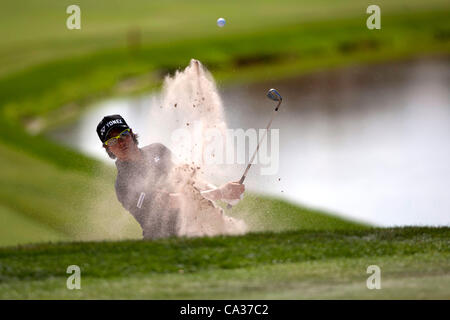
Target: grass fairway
[[414, 262]]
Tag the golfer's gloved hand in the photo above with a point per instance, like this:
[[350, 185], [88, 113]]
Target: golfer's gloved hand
[[232, 192]]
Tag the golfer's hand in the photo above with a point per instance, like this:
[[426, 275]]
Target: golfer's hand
[[232, 191]]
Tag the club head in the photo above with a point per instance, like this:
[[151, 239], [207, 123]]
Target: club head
[[274, 95]]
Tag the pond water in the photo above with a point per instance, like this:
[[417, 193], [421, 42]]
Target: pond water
[[369, 143]]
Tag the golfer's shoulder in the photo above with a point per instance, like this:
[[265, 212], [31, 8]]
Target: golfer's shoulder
[[156, 149]]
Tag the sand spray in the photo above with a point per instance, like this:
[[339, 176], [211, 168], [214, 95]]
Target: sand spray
[[191, 96]]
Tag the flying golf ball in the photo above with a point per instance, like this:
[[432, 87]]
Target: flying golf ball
[[221, 22]]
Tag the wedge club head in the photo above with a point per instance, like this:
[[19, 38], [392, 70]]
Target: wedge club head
[[274, 95]]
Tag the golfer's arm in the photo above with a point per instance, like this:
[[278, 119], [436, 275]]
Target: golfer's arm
[[212, 194]]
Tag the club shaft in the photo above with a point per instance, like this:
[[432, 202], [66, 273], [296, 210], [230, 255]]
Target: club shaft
[[241, 181], [259, 143]]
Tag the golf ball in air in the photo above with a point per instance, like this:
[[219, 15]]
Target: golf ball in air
[[221, 22]]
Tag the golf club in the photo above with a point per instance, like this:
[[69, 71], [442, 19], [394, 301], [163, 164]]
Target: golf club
[[274, 95]]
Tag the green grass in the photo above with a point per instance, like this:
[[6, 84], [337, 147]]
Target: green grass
[[304, 264], [271, 214], [17, 228], [70, 203], [40, 34], [329, 279]]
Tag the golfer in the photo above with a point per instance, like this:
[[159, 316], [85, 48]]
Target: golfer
[[142, 186]]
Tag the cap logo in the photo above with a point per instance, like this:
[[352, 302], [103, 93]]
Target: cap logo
[[112, 122]]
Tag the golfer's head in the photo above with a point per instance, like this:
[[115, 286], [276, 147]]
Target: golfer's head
[[117, 137]]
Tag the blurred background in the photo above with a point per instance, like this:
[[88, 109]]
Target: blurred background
[[364, 127]]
